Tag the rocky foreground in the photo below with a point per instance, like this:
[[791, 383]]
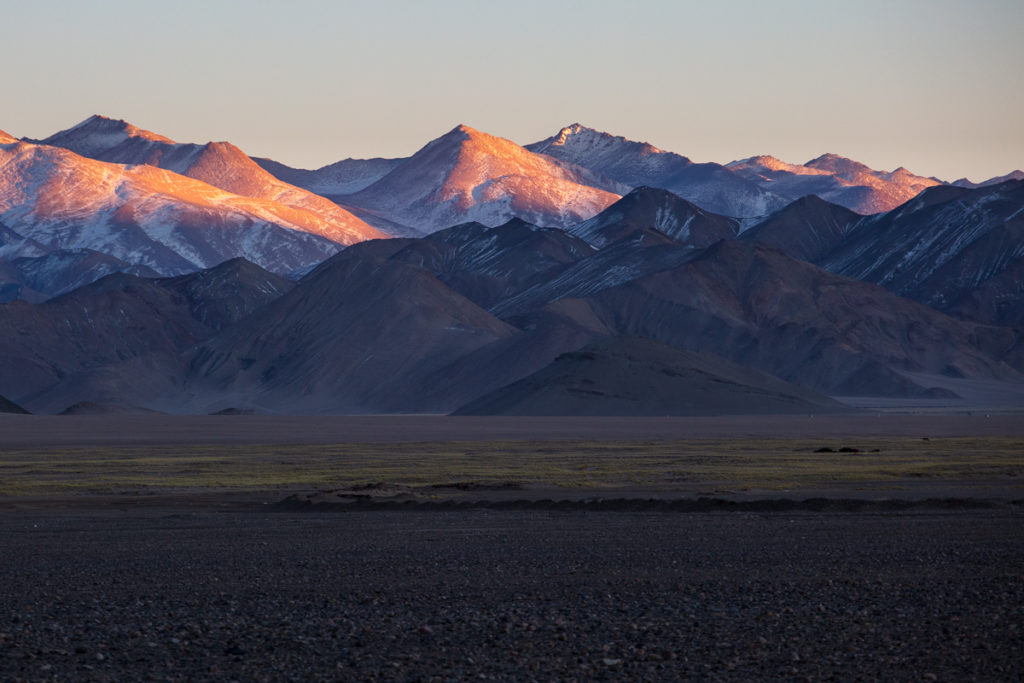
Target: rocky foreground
[[511, 595]]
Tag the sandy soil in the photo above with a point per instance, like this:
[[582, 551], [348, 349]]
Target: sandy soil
[[18, 431]]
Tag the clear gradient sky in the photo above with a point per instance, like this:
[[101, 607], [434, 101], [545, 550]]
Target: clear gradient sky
[[933, 85]]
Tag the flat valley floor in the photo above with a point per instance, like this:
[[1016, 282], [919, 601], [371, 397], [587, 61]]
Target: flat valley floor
[[211, 580]]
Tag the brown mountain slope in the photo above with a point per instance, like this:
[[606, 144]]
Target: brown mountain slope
[[761, 308], [647, 207], [44, 348], [7, 406], [487, 265], [955, 249], [356, 336], [808, 229], [631, 376], [115, 318]]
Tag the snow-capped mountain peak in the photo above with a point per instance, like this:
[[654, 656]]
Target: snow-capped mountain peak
[[573, 129], [841, 166], [766, 164], [836, 179], [145, 215], [98, 134], [576, 143], [6, 139], [635, 164], [468, 175], [1012, 175], [219, 164]]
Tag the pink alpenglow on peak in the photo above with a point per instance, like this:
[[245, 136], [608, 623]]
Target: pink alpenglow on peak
[[628, 164], [467, 175], [99, 133], [836, 179], [580, 139], [220, 164], [148, 216]]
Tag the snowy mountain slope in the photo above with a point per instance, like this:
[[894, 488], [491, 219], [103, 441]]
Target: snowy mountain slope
[[612, 266], [760, 307], [6, 139], [13, 245], [647, 207], [64, 270], [612, 155], [220, 164], [835, 179], [485, 265], [634, 164], [147, 216], [342, 177], [942, 246], [1012, 175], [466, 175], [890, 189]]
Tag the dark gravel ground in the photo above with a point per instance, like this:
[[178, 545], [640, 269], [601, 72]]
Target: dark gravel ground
[[511, 595]]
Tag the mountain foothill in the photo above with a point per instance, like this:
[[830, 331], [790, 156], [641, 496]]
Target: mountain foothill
[[583, 274]]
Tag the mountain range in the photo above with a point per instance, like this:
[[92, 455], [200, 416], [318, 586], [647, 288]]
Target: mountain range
[[584, 273], [52, 199], [836, 179]]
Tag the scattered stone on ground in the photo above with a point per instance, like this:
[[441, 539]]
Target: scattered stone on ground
[[511, 595]]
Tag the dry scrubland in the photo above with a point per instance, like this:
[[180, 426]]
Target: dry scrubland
[[769, 464]]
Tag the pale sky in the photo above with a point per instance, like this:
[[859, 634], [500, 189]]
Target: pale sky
[[936, 86]]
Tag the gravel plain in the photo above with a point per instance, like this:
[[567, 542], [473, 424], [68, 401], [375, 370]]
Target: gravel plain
[[248, 594]]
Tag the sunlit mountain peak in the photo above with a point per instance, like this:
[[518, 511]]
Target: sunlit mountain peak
[[98, 133], [219, 164], [469, 175], [465, 130], [576, 136]]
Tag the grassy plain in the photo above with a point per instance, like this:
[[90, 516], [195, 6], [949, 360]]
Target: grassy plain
[[734, 463]]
